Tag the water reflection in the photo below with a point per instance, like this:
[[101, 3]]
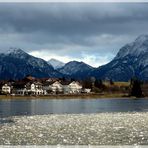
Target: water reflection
[[15, 107], [75, 106]]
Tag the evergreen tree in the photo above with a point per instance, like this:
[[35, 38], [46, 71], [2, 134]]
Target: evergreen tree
[[87, 83], [98, 83], [72, 79], [63, 79], [136, 88], [111, 82]]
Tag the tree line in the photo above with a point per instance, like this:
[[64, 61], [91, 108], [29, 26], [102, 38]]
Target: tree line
[[97, 85]]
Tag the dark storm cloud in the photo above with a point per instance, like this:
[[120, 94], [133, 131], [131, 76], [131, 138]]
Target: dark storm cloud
[[70, 18], [72, 27]]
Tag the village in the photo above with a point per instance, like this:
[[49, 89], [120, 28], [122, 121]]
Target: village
[[31, 86], [43, 86]]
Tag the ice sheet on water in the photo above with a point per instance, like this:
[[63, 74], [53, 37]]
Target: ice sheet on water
[[94, 129]]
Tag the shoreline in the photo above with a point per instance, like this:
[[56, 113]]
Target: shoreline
[[72, 96]]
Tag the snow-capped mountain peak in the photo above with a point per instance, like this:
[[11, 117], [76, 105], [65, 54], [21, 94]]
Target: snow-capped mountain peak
[[136, 48], [16, 64], [15, 51], [131, 61], [56, 63], [141, 38]]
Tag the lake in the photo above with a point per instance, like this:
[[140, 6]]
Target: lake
[[70, 106], [74, 122]]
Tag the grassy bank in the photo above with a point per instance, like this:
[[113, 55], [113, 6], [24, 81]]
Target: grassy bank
[[68, 96]]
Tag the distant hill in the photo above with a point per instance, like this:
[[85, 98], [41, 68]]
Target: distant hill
[[75, 69]]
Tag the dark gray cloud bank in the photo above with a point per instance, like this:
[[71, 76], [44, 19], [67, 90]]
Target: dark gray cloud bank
[[91, 32]]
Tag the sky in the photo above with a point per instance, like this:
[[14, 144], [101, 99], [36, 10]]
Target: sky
[[88, 32]]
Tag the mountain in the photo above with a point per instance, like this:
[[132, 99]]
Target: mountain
[[130, 61], [16, 64], [56, 63], [75, 69]]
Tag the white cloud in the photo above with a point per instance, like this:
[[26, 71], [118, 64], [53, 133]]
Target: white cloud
[[91, 59], [96, 60], [48, 55], [92, 33]]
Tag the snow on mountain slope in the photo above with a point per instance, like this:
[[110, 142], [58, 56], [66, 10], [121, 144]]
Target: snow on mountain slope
[[16, 64], [130, 61], [56, 63], [136, 48]]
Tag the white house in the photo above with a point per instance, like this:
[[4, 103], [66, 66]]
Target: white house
[[34, 88], [56, 87], [66, 87], [6, 89], [75, 87]]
